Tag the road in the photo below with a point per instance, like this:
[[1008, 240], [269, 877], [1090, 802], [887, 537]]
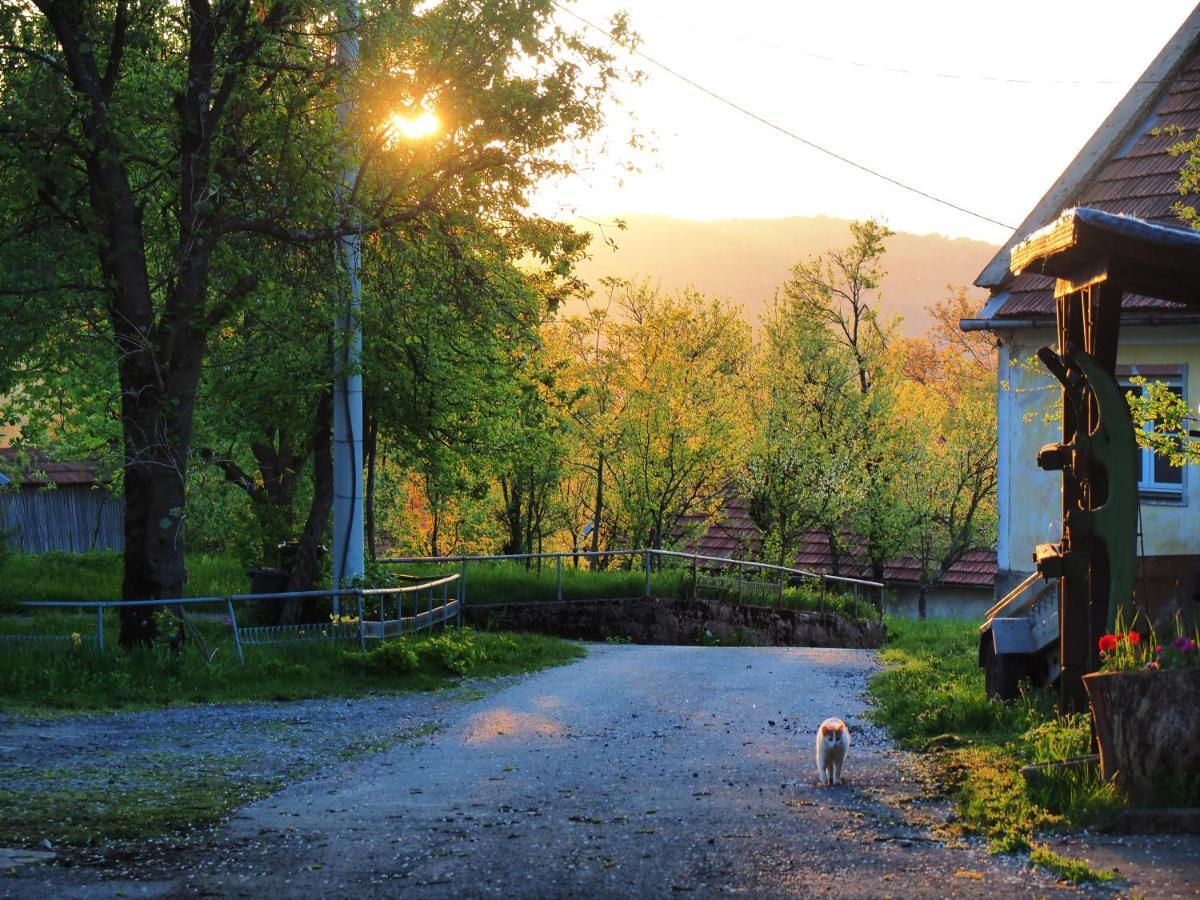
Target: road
[[640, 771], [636, 772]]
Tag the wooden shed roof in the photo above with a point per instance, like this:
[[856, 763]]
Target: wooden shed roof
[[35, 467]]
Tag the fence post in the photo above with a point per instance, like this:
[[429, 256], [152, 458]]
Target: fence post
[[558, 577], [100, 628], [695, 583], [738, 576], [429, 594], [362, 626], [445, 595], [237, 638], [822, 594], [647, 555], [462, 579]]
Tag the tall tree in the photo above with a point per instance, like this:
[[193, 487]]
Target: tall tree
[[144, 147]]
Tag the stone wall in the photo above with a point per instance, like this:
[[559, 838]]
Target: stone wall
[[669, 621]]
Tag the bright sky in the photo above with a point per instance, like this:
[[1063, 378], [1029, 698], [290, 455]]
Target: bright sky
[[992, 146]]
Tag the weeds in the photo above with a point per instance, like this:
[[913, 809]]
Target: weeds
[[78, 679], [931, 696]]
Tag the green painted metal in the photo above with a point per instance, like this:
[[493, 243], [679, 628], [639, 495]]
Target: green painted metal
[[1112, 447]]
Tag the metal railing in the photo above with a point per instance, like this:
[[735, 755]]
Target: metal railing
[[443, 603], [863, 590], [338, 628]]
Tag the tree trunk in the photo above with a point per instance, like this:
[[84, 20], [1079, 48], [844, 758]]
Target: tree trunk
[[921, 592], [153, 408], [306, 562], [597, 563], [372, 443]]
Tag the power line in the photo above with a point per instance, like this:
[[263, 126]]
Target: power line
[[789, 133], [900, 70]]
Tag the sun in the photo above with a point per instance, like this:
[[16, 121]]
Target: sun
[[412, 127]]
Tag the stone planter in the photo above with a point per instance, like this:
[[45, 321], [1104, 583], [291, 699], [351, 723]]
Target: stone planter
[[1148, 727]]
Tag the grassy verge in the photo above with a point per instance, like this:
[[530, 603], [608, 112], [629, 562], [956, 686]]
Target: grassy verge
[[105, 801], [931, 697], [97, 576], [75, 678]]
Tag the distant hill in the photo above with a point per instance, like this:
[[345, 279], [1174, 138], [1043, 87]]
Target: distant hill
[[745, 260]]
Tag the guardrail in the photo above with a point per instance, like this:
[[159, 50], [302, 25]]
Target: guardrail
[[872, 590], [339, 627], [343, 627]]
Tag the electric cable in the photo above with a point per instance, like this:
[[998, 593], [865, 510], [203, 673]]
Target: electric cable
[[788, 132]]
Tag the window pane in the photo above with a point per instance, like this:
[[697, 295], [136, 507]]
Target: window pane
[[1165, 473]]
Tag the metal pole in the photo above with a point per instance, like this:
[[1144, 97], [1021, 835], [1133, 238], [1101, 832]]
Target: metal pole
[[100, 628], [347, 389], [445, 594], [695, 584], [362, 626], [647, 555], [237, 638], [558, 575], [822, 595]]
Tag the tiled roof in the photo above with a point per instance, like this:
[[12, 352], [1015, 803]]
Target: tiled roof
[[735, 536], [1138, 180], [40, 469]]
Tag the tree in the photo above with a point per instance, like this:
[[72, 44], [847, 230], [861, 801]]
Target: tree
[[946, 489], [823, 454], [145, 149], [681, 427]]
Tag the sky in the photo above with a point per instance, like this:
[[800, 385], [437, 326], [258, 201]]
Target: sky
[[1001, 98]]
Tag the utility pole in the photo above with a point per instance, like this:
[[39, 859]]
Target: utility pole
[[347, 388]]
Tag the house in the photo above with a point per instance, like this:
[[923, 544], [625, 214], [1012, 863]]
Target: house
[[965, 592], [1126, 167], [50, 505]]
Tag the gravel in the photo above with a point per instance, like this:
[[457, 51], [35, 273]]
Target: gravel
[[639, 771]]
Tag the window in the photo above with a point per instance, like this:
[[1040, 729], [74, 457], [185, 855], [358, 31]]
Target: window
[[1156, 476]]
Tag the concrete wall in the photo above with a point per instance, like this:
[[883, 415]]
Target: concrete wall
[[941, 603], [1030, 500]]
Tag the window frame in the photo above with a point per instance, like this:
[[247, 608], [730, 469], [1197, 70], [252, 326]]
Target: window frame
[[1168, 493]]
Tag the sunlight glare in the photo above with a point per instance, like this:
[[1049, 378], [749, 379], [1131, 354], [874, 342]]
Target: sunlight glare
[[423, 125]]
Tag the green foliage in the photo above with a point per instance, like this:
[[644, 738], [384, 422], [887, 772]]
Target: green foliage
[[96, 575], [462, 652], [75, 678], [931, 696], [1071, 869]]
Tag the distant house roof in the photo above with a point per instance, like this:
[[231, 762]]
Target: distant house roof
[[735, 535], [1125, 168], [39, 468]]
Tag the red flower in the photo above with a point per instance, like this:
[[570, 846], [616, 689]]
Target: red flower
[[1108, 643], [1133, 637]]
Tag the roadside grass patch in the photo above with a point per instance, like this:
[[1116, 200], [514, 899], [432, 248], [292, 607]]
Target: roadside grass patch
[[123, 806], [931, 697], [96, 575], [75, 678]]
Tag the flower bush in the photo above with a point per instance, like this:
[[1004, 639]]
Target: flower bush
[[1126, 651]]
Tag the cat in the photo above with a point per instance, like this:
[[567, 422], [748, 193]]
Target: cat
[[833, 743]]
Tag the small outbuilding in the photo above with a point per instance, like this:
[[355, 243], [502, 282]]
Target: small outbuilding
[[48, 504]]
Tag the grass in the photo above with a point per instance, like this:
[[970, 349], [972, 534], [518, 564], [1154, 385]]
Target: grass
[[75, 678], [97, 576], [931, 697], [122, 806]]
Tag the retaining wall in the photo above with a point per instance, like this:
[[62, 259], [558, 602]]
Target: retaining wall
[[670, 621]]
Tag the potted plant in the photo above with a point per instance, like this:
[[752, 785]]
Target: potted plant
[[1146, 707]]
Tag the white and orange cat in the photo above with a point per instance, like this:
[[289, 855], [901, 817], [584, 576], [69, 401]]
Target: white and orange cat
[[833, 743]]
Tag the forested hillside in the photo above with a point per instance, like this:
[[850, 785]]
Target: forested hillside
[[745, 260]]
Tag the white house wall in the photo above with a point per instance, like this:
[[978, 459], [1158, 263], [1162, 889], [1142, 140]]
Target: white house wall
[[1028, 416]]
